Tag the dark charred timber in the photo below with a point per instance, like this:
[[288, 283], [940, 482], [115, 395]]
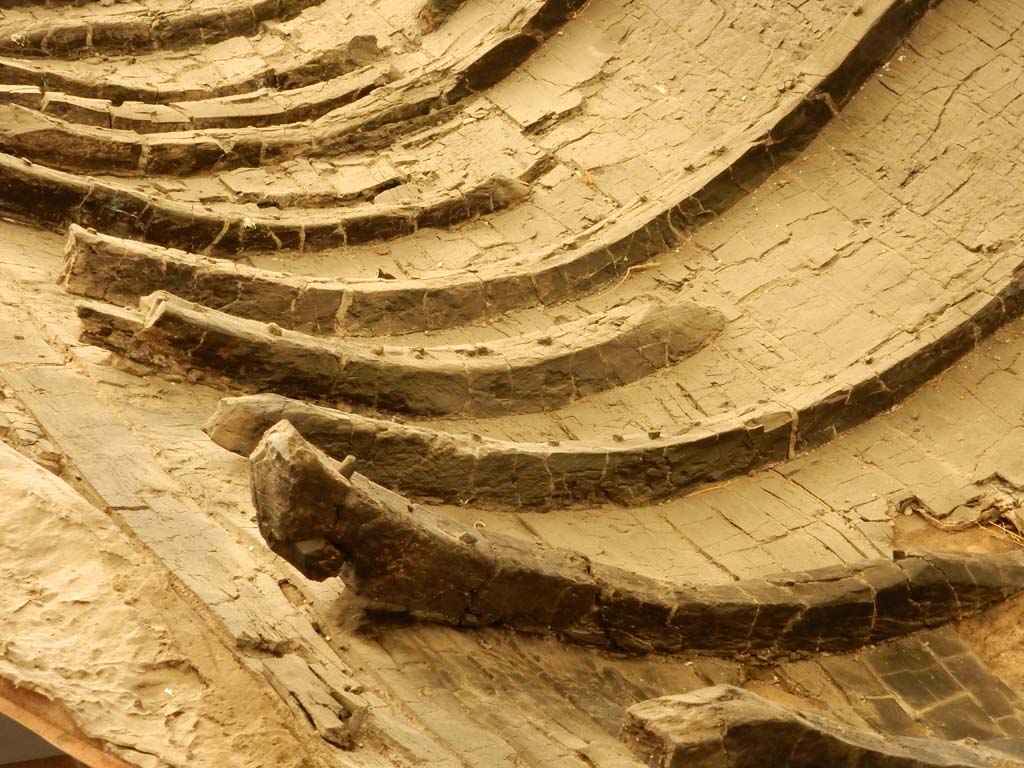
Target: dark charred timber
[[403, 559]]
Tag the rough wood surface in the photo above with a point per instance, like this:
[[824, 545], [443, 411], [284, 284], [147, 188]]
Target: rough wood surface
[[838, 181]]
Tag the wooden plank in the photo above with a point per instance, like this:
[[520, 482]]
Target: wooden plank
[[335, 713], [88, 434]]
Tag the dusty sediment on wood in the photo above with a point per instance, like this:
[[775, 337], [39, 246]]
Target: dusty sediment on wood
[[404, 559], [728, 727], [103, 646], [252, 614]]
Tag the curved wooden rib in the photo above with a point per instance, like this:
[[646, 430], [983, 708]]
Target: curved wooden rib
[[533, 372], [85, 36], [728, 726], [122, 271], [59, 198], [260, 108], [347, 55], [404, 559]]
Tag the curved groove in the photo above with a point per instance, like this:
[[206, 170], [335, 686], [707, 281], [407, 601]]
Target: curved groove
[[728, 727], [404, 559], [82, 37], [629, 470], [57, 198], [523, 374], [400, 106]]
